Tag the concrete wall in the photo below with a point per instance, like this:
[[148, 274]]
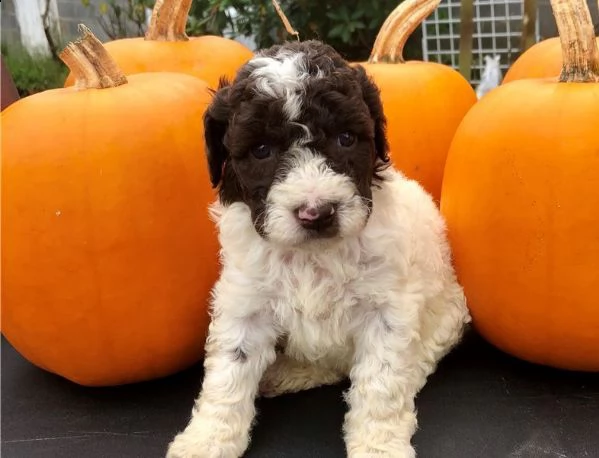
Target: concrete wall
[[71, 12], [8, 28]]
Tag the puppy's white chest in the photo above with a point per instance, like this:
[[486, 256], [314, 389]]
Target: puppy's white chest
[[315, 306]]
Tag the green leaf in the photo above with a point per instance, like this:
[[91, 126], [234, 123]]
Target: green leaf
[[357, 14], [344, 13], [374, 23], [346, 35], [337, 31]]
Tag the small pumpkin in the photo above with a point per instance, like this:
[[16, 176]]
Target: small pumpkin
[[520, 197], [417, 95], [166, 47], [542, 60], [108, 253]]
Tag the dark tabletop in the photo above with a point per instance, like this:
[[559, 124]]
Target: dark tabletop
[[479, 404]]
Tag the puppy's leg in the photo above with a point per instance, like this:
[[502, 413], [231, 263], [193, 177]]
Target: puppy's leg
[[288, 375], [442, 327], [392, 363], [239, 348], [381, 418]]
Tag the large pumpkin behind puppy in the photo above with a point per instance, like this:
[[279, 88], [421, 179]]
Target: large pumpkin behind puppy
[[166, 48], [424, 102], [521, 199], [108, 254]]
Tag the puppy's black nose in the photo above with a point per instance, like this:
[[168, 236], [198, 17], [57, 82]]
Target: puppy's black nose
[[316, 216]]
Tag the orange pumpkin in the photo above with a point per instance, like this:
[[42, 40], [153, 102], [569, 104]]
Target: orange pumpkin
[[542, 60], [166, 47], [521, 201], [417, 95], [108, 254]]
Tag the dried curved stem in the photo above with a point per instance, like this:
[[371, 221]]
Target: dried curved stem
[[577, 37], [288, 27], [398, 27], [90, 63], [168, 21]]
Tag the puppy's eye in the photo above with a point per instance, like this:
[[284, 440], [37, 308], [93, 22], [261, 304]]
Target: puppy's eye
[[346, 139], [261, 151]]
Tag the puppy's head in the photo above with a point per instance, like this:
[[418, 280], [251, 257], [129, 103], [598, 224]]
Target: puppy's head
[[298, 136]]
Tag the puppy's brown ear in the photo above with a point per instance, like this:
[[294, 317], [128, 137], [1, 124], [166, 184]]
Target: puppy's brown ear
[[371, 95], [216, 120]]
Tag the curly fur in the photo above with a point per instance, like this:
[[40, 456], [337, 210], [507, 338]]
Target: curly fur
[[374, 299]]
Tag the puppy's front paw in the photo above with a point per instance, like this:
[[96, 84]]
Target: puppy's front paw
[[205, 440], [384, 452], [186, 445]]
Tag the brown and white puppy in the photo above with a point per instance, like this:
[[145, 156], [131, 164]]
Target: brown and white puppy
[[334, 264]]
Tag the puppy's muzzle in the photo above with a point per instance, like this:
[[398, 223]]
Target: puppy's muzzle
[[318, 218]]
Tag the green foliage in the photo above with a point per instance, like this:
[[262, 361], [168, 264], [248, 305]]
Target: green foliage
[[351, 29], [209, 17], [121, 19], [33, 74]]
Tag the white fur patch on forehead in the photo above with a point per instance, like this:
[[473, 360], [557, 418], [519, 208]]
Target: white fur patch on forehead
[[282, 76]]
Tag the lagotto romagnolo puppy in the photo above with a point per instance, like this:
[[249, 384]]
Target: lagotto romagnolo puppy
[[334, 264]]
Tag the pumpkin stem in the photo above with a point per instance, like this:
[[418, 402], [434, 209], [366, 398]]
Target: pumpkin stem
[[577, 37], [91, 64], [398, 27], [288, 27], [168, 21]]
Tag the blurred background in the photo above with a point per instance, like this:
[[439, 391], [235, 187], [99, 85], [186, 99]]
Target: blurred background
[[34, 31]]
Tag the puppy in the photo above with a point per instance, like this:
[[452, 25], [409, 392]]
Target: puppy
[[334, 264]]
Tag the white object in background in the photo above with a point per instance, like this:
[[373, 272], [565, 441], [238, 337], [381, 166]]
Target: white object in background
[[491, 77], [29, 14], [148, 17], [497, 31], [228, 32]]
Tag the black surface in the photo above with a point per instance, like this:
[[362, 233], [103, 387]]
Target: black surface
[[479, 404]]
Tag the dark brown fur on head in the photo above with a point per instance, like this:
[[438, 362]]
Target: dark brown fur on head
[[336, 98]]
